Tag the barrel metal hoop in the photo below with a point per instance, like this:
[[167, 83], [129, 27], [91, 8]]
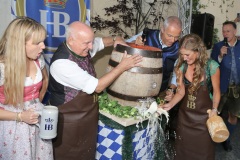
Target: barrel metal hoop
[[144, 53], [142, 70], [126, 97]]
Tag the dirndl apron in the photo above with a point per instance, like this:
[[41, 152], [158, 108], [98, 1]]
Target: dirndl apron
[[77, 129], [193, 140]]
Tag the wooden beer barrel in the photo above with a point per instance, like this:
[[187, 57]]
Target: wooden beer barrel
[[138, 83]]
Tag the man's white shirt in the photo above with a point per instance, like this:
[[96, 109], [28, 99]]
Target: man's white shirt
[[68, 73]]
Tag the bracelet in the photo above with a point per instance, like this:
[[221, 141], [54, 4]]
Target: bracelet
[[18, 120], [215, 109], [18, 117]]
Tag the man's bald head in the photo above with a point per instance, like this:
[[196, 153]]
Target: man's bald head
[[78, 28], [79, 38]]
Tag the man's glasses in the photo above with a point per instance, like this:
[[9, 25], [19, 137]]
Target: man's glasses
[[171, 36]]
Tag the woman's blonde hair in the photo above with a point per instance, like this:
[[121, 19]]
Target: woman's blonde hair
[[13, 55], [194, 43]]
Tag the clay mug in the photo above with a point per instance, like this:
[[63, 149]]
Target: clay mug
[[217, 128]]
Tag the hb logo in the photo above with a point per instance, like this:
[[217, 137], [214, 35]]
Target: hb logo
[[190, 103], [55, 16], [48, 125]]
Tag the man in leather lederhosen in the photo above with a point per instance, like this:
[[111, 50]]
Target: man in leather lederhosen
[[227, 54]]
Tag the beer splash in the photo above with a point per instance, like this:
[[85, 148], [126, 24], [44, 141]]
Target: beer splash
[[154, 140]]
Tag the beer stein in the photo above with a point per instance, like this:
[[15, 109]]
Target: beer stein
[[48, 122]]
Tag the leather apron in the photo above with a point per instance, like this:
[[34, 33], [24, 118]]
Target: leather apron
[[193, 140], [77, 129]]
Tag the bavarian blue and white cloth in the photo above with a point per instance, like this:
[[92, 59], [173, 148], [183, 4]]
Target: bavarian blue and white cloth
[[109, 145]]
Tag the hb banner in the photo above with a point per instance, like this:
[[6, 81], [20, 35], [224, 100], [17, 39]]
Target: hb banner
[[55, 16]]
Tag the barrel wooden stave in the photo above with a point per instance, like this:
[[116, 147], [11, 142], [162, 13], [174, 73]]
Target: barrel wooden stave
[[150, 85], [146, 62]]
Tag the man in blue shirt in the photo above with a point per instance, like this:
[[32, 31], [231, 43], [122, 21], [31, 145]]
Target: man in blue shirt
[[227, 54], [165, 39]]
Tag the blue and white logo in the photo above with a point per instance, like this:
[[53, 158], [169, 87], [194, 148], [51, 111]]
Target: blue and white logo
[[55, 16]]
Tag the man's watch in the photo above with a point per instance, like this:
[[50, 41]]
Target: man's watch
[[171, 89]]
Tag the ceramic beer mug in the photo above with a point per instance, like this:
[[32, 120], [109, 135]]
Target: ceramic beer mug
[[48, 122]]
